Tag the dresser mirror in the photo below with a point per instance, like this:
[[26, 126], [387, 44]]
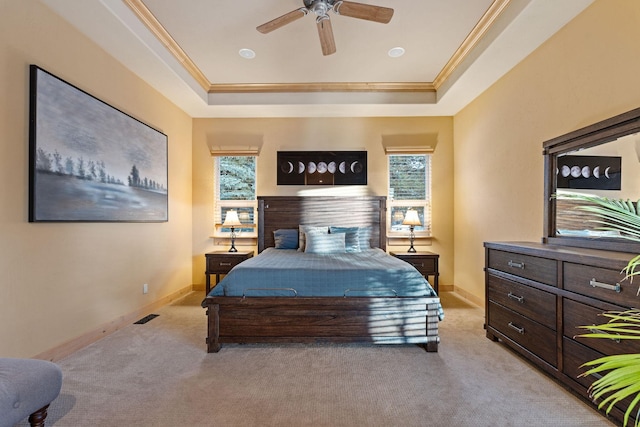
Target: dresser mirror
[[603, 160]]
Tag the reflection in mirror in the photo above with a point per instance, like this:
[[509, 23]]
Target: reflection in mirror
[[601, 160], [610, 170]]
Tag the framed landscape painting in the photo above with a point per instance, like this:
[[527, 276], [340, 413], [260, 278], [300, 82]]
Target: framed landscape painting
[[90, 162]]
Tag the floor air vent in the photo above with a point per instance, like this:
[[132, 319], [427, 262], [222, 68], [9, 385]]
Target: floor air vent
[[145, 319]]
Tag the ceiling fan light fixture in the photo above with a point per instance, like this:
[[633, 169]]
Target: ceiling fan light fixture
[[320, 8], [396, 52], [247, 53]]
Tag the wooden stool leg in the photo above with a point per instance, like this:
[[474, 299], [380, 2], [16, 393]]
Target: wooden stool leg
[[37, 418]]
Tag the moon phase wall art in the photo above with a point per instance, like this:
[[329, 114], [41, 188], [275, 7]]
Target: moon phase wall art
[[589, 172], [322, 168]]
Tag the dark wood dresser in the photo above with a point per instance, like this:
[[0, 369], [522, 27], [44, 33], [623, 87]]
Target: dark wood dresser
[[538, 294]]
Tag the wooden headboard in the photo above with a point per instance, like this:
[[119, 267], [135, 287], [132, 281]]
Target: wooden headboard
[[282, 212]]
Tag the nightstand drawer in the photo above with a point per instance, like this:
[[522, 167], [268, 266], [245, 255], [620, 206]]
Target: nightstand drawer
[[221, 263], [423, 265], [421, 261], [224, 262], [425, 262]]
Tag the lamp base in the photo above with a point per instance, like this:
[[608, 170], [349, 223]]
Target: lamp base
[[412, 237], [233, 241]]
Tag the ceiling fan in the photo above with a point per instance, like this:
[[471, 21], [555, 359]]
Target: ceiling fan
[[321, 9]]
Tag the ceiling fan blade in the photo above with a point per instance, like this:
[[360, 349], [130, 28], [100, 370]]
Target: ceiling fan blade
[[325, 32], [283, 20], [364, 11]]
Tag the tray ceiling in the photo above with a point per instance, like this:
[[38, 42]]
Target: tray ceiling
[[190, 52]]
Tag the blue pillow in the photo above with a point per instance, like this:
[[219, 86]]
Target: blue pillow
[[325, 243], [352, 237], [364, 234], [286, 238], [309, 229]]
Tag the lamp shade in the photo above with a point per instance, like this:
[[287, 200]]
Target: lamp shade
[[411, 218], [231, 219]]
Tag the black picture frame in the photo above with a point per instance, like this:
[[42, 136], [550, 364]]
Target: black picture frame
[[322, 168], [589, 172], [89, 161]]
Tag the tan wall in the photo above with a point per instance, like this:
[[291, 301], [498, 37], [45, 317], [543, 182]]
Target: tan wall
[[60, 281], [322, 134], [585, 73]]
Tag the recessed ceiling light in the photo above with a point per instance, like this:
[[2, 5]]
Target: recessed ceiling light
[[396, 52], [247, 53]]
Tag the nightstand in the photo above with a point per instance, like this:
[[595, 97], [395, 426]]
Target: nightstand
[[425, 262], [221, 263]]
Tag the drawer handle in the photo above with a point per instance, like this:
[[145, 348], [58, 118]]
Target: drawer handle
[[225, 264], [598, 331], [418, 265], [516, 297], [516, 328], [515, 264], [594, 283]]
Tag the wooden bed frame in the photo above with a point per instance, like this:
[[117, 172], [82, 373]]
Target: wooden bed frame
[[321, 319]]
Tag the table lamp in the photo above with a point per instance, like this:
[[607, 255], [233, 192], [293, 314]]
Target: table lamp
[[411, 219], [231, 220]]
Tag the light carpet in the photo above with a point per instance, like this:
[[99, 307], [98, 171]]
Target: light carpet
[[159, 374]]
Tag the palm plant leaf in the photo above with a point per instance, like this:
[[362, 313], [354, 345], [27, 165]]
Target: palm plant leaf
[[614, 215], [622, 216], [621, 372], [622, 380]]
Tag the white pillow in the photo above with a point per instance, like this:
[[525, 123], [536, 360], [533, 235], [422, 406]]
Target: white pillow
[[325, 243], [303, 230]]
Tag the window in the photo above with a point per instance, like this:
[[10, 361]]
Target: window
[[235, 188], [409, 188]]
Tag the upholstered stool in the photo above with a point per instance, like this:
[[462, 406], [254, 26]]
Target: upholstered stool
[[27, 387]]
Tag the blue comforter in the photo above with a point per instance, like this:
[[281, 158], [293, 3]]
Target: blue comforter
[[288, 272]]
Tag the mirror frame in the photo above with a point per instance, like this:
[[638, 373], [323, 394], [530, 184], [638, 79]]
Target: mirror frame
[[598, 133]]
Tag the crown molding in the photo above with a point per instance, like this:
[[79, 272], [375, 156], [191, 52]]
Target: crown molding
[[470, 42]]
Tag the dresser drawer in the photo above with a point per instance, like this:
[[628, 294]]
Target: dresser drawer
[[599, 283], [578, 314], [533, 303], [534, 337], [541, 270], [574, 356]]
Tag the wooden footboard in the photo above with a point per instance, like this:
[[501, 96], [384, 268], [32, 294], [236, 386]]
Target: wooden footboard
[[399, 320]]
